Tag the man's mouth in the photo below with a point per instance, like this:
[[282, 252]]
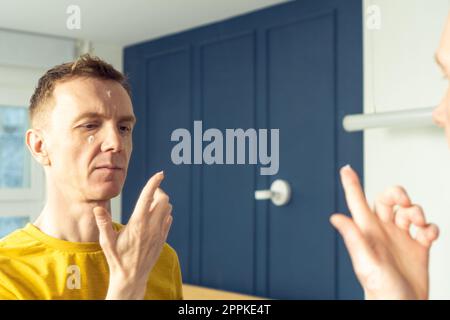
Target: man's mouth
[[109, 167]]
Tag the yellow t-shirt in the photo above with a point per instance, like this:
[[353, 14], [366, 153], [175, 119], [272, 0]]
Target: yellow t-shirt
[[34, 265]]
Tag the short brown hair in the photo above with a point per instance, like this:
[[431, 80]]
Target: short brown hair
[[85, 66]]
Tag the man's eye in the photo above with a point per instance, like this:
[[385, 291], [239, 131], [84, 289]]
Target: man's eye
[[125, 128], [90, 126]]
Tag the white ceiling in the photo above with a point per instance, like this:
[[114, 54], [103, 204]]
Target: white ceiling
[[121, 22]]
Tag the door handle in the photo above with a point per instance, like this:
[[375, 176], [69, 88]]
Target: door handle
[[279, 193]]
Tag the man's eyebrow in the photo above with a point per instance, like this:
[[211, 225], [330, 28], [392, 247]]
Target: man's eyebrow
[[129, 118]]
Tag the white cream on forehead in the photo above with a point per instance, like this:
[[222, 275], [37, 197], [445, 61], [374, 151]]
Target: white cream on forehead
[[108, 93], [90, 139]]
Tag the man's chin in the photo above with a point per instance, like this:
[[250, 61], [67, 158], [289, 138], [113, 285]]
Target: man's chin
[[106, 192]]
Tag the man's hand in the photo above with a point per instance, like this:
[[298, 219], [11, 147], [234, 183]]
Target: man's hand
[[388, 261], [132, 253]]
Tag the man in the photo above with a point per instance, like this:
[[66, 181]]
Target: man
[[388, 261], [81, 133]]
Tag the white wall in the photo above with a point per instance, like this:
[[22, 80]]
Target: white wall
[[400, 73]]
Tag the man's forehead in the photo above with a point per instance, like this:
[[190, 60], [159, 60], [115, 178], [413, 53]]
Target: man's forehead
[[91, 96]]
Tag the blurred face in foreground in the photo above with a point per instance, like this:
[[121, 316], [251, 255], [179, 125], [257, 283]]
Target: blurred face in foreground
[[441, 114]]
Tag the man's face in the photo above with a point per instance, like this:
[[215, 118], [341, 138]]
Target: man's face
[[441, 114], [89, 140]]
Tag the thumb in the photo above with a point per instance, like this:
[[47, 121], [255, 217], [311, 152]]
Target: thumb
[[105, 225], [360, 252]]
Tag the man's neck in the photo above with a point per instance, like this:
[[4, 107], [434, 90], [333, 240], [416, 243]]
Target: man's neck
[[69, 220]]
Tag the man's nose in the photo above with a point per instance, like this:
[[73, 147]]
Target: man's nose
[[112, 140], [440, 113], [439, 116]]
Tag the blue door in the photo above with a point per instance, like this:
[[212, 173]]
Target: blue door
[[296, 67]]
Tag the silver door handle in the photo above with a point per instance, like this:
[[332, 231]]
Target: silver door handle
[[279, 193]]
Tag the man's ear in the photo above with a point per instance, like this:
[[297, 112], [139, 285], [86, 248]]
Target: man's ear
[[35, 141]]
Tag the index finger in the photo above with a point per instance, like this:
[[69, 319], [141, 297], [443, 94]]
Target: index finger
[[356, 200], [147, 195]]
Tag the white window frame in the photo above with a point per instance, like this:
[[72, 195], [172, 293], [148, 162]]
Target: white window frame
[[15, 96]]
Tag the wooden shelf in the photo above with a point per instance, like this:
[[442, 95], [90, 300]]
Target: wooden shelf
[[191, 292]]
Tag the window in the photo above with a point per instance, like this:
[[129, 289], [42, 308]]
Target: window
[[21, 177], [14, 158]]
